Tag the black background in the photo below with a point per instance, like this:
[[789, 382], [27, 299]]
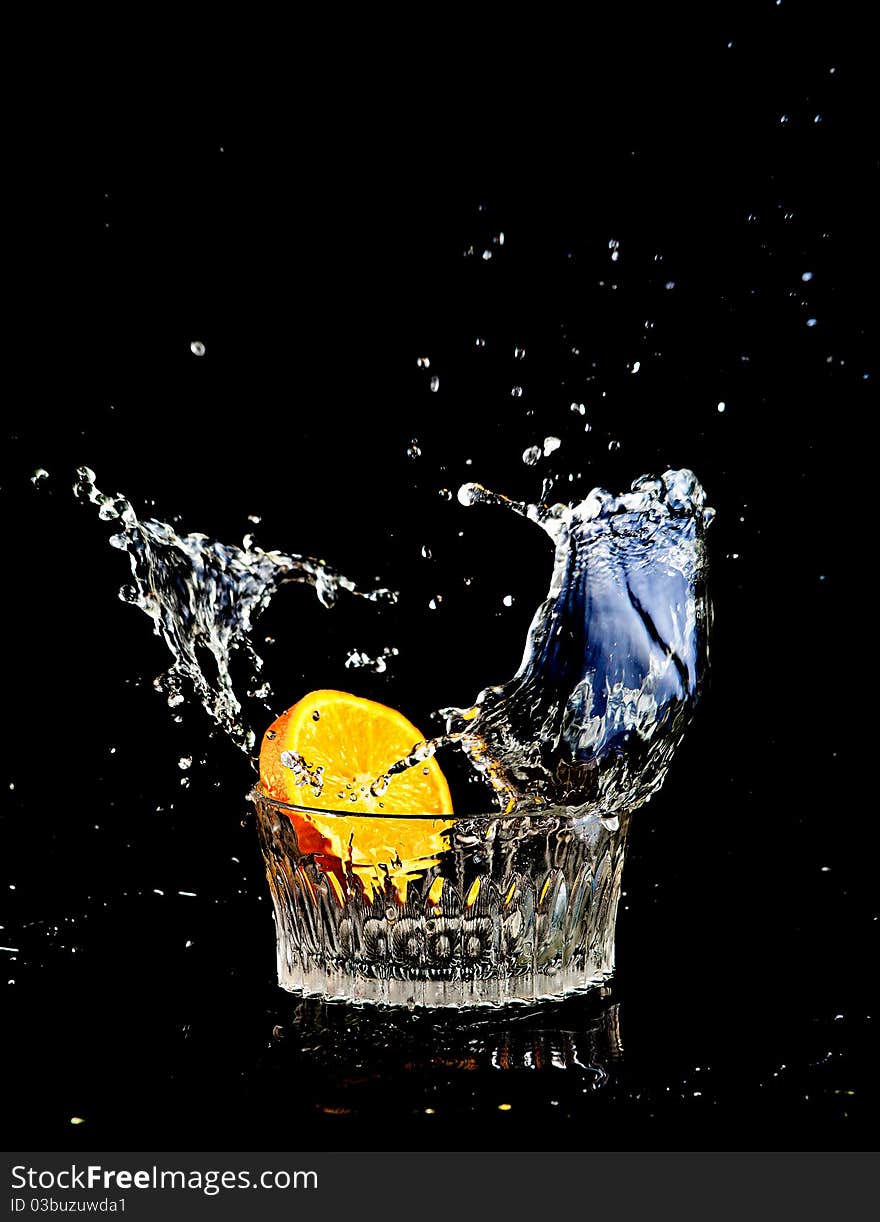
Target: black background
[[318, 248]]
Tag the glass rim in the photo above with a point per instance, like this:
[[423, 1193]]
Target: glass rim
[[257, 793]]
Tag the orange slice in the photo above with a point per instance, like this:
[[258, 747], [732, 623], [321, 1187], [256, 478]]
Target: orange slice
[[354, 741]]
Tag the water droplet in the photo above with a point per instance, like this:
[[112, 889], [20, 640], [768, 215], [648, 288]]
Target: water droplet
[[414, 450], [516, 392], [435, 383], [479, 342], [614, 247], [806, 277], [379, 787], [185, 762], [580, 408], [507, 600], [519, 353], [316, 716], [670, 284], [811, 322], [487, 255], [636, 366], [197, 348], [613, 445], [38, 476], [426, 551], [722, 406], [424, 362], [530, 457]]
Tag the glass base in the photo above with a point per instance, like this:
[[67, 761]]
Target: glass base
[[340, 984], [515, 910]]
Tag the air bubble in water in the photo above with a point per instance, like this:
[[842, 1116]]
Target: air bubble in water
[[424, 362], [197, 348], [185, 762], [508, 600], [519, 353], [551, 444], [516, 392], [38, 476], [530, 457], [435, 383], [414, 450]]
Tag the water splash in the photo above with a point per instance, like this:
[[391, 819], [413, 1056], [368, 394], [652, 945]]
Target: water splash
[[610, 674], [203, 597], [615, 655]]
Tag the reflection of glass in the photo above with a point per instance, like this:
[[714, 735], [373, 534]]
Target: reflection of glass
[[346, 1060], [480, 910]]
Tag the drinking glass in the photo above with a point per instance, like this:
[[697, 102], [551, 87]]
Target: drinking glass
[[473, 910]]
